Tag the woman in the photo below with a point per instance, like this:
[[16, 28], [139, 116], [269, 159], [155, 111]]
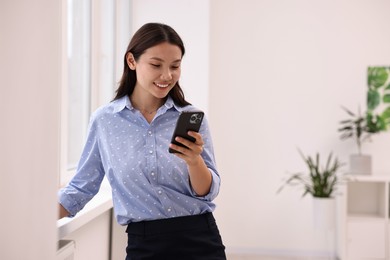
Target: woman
[[164, 199]]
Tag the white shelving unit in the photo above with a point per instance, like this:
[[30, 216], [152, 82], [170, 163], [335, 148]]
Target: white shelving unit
[[363, 219]]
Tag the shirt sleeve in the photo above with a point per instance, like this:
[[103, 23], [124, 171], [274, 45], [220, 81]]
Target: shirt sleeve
[[209, 159], [89, 175]]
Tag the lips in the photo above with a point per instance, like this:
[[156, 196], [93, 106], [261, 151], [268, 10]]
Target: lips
[[162, 85]]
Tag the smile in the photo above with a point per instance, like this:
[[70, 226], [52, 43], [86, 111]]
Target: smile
[[162, 85]]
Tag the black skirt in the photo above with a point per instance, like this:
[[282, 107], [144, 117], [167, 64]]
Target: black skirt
[[182, 238]]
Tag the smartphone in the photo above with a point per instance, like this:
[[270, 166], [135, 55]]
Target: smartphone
[[188, 121]]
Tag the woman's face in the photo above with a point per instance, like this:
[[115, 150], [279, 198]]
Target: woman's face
[[158, 69]]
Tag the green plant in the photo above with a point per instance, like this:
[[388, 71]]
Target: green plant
[[376, 119], [355, 127], [378, 99], [320, 182]]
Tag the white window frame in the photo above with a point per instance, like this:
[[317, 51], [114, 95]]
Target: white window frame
[[102, 88]]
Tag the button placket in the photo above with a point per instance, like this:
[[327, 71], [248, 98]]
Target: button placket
[[151, 155], [166, 203]]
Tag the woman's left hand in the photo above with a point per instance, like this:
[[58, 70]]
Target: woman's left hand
[[190, 153], [200, 176]]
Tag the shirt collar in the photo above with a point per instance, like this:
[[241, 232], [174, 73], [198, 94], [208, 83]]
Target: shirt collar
[[124, 102], [169, 104]]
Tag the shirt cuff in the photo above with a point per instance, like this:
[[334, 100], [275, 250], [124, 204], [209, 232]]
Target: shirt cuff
[[214, 189], [68, 203]]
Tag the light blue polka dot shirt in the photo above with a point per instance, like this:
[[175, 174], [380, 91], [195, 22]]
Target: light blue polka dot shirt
[[147, 181]]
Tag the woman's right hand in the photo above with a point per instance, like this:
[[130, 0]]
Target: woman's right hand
[[62, 212]]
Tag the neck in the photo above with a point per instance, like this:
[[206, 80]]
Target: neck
[[145, 108]]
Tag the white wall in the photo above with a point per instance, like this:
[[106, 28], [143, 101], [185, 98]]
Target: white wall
[[279, 72], [29, 132], [190, 19]]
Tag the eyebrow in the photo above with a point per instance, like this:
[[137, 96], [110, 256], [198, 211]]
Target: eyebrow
[[159, 59]]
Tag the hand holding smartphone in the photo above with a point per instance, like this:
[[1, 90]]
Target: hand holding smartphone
[[188, 121]]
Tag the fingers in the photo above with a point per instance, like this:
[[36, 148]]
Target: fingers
[[192, 148], [197, 136]]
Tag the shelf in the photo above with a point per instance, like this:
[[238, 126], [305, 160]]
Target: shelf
[[368, 178], [365, 217], [367, 198]]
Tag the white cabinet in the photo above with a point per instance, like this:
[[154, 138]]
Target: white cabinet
[[363, 219], [366, 239]]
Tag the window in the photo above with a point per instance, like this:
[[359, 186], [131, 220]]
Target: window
[[90, 47], [79, 77]]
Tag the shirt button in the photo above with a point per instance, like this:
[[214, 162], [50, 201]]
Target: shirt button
[[169, 209], [152, 173], [150, 151], [150, 132], [159, 192]]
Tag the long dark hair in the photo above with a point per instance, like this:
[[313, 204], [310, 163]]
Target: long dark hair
[[147, 36]]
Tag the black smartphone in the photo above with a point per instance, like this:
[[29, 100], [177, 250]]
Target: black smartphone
[[188, 121]]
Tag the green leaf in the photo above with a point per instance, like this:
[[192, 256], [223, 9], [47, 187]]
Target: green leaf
[[380, 123], [386, 113], [347, 121], [388, 87], [375, 123], [377, 76], [373, 99], [349, 112], [386, 98]]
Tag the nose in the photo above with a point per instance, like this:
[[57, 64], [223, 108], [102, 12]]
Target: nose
[[166, 74]]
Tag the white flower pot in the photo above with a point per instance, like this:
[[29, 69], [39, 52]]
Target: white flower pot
[[360, 164], [324, 213]]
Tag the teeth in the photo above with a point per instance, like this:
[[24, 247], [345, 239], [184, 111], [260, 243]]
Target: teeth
[[162, 85]]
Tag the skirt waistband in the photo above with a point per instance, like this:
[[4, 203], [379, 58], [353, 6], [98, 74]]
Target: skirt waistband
[[169, 225]]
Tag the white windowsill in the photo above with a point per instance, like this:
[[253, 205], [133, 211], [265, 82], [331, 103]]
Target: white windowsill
[[97, 206]]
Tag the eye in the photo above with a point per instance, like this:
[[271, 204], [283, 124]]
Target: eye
[[155, 65], [175, 67]]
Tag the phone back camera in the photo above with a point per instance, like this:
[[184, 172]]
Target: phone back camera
[[195, 118]]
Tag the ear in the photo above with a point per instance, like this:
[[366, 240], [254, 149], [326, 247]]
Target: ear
[[130, 61]]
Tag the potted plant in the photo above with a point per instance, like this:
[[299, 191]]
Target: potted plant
[[376, 119], [321, 183], [355, 127]]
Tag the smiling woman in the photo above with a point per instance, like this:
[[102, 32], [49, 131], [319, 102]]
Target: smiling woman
[[155, 193]]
